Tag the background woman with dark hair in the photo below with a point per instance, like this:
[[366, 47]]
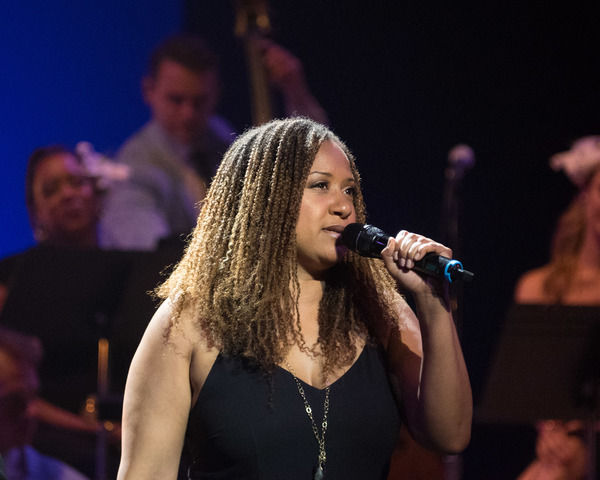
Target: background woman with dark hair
[[61, 198], [63, 205], [63, 201]]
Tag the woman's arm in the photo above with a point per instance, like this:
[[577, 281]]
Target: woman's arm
[[426, 360], [51, 414], [157, 401]]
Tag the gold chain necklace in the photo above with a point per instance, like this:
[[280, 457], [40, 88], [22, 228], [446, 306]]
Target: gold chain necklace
[[319, 468]]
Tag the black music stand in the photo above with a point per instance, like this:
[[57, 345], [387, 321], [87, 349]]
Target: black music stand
[[547, 366], [74, 301], [68, 298]]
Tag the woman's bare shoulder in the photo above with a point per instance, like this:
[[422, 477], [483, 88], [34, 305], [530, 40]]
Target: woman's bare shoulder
[[530, 286], [176, 333]]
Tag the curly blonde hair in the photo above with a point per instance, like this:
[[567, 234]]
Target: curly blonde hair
[[238, 275], [566, 244]]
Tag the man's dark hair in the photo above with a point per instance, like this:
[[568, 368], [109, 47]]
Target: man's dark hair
[[188, 50]]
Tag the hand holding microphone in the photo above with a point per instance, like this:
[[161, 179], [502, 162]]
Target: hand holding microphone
[[369, 241]]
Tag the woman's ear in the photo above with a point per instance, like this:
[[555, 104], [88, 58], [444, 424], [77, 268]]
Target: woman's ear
[[40, 234]]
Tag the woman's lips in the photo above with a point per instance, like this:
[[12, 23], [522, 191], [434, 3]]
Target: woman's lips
[[336, 232], [335, 228]]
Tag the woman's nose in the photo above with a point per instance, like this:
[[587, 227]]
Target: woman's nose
[[342, 206]]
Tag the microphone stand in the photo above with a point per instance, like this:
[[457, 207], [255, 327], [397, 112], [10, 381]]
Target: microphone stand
[[101, 434], [460, 159], [449, 236]]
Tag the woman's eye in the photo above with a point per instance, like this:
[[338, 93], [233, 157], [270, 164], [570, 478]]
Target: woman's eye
[[319, 185], [76, 182], [351, 191], [49, 189]]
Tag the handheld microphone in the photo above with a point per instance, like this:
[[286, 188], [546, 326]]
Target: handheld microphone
[[369, 241]]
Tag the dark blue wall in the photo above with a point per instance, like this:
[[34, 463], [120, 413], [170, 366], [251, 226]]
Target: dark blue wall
[[70, 71]]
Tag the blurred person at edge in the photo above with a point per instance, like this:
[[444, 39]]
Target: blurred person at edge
[[572, 277], [20, 356], [63, 201]]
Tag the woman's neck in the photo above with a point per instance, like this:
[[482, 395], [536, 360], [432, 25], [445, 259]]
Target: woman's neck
[[82, 239], [311, 291], [589, 255], [309, 299]]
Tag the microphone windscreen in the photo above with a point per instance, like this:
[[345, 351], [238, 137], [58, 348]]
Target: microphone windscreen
[[366, 240], [461, 155]]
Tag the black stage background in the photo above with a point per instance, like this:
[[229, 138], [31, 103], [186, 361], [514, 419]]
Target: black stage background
[[403, 82]]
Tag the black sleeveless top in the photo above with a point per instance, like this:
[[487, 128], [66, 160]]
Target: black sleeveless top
[[246, 425]]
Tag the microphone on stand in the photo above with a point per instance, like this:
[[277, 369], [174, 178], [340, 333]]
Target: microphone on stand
[[461, 159]]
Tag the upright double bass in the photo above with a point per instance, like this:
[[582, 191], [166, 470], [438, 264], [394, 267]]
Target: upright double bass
[[252, 24]]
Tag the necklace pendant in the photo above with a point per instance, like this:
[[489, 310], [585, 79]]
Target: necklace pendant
[[319, 474]]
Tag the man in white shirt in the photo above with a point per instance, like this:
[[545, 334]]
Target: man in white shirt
[[173, 157]]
